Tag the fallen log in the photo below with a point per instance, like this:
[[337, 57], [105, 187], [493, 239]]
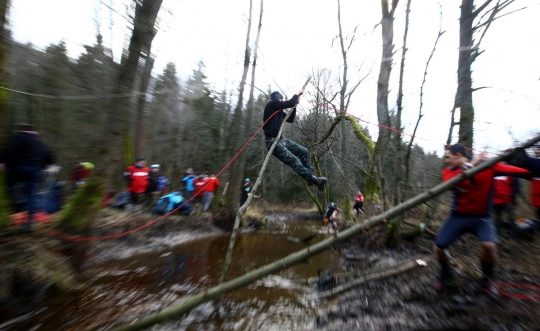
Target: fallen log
[[297, 257], [352, 274], [388, 272]]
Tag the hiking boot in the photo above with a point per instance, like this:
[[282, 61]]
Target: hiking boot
[[443, 284], [440, 285], [318, 181], [489, 287]]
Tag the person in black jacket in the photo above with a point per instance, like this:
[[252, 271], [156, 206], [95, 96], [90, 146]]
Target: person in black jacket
[[295, 156], [246, 191], [23, 158]]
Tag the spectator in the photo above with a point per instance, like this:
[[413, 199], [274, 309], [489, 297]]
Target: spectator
[[80, 173], [157, 184], [246, 191], [504, 201], [209, 191], [358, 204], [77, 175], [200, 184], [137, 176], [535, 186], [23, 158], [188, 180]]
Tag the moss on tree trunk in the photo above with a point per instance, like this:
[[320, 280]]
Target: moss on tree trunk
[[78, 214]]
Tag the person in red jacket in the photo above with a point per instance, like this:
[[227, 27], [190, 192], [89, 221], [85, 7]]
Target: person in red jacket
[[535, 186], [209, 190], [359, 204], [200, 184], [137, 176], [470, 212], [504, 201]]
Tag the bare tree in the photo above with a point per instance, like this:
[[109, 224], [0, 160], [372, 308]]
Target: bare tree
[[398, 170], [249, 107], [141, 39], [236, 172], [140, 136], [468, 52], [383, 116]]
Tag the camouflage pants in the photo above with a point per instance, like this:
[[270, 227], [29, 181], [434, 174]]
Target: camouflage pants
[[295, 156]]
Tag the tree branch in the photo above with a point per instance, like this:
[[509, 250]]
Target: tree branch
[[482, 7]]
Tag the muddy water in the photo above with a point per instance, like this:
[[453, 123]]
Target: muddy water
[[121, 291]]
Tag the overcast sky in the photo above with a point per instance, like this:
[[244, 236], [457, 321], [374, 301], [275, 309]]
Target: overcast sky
[[296, 38]]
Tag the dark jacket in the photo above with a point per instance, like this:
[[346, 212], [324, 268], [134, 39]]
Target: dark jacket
[[25, 149], [271, 128], [153, 182], [245, 191]]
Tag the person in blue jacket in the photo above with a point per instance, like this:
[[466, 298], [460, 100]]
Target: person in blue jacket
[[188, 181]]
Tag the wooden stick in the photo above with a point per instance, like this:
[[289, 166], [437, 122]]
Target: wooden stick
[[388, 272], [243, 208]]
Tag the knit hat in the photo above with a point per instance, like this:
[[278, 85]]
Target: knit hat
[[141, 159], [276, 96], [246, 180]]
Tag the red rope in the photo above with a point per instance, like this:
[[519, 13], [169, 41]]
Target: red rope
[[520, 296], [384, 126], [68, 237]]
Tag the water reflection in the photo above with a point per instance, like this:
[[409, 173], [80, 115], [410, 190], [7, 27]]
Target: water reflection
[[122, 291]]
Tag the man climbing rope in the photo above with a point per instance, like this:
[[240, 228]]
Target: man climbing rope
[[295, 156]]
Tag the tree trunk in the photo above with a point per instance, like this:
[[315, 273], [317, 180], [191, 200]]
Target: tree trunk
[[398, 167], [463, 99], [141, 40], [342, 98], [241, 162], [399, 182], [387, 25], [236, 133], [140, 132], [4, 196]]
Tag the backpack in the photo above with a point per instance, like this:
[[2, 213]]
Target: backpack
[[121, 200], [163, 182], [168, 203], [163, 206]]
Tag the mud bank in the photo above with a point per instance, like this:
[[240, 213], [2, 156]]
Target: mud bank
[[408, 301], [171, 231], [166, 233]]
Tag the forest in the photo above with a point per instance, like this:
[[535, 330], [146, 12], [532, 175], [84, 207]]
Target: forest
[[94, 107]]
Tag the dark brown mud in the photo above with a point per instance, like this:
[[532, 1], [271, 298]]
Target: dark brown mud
[[409, 302], [140, 274]]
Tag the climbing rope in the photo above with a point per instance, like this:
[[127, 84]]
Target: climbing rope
[[67, 237], [503, 289], [386, 127]]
